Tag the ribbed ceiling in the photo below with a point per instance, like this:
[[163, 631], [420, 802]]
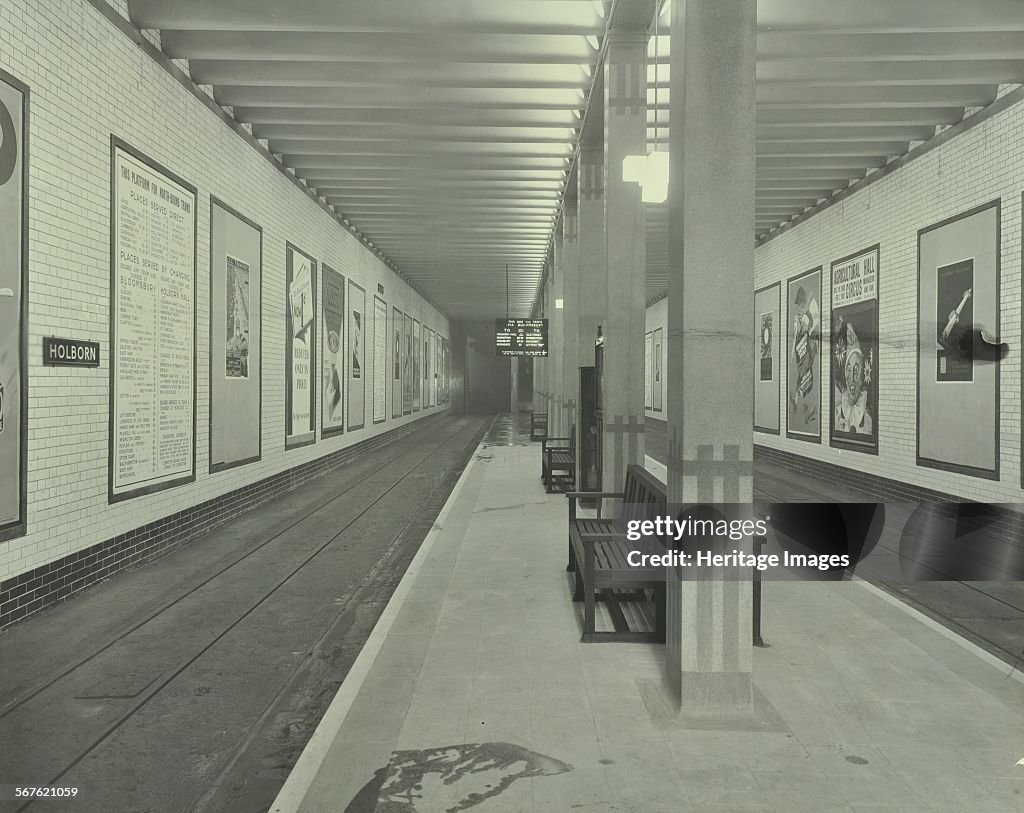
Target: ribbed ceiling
[[442, 130]]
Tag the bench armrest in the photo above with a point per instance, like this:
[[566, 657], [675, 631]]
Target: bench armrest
[[573, 495]]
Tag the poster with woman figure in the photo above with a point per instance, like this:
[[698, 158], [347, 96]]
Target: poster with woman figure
[[803, 390], [332, 410]]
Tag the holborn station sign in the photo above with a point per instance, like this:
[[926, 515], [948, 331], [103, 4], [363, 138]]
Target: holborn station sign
[[70, 353]]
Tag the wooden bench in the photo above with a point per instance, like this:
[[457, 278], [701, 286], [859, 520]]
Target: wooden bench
[[558, 463], [598, 548], [538, 425]]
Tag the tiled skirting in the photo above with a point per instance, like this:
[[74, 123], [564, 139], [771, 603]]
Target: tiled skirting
[[1007, 525], [50, 583]]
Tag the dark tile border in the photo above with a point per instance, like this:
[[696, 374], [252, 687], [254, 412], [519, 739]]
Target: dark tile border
[[22, 595], [1009, 526]]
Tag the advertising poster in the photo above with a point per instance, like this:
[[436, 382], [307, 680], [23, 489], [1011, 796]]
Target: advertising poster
[[380, 360], [658, 393], [236, 318], [766, 370], [437, 368], [417, 365], [855, 352], [803, 349], [356, 356], [767, 304], [446, 371], [428, 369], [954, 313], [236, 268], [152, 326], [958, 343], [648, 370], [13, 304], [332, 418], [407, 374], [300, 349], [397, 393]]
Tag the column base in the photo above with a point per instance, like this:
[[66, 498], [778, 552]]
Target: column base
[[714, 695]]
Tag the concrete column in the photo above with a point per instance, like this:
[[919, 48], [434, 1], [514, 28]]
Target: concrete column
[[625, 133], [556, 340], [548, 304], [570, 311], [710, 333], [539, 393], [591, 247]]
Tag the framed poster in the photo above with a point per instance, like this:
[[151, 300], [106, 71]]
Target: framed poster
[[236, 338], [380, 360], [649, 370], [407, 373], [14, 101], [300, 348], [658, 393], [428, 370], [396, 363], [437, 368], [446, 370], [152, 326], [957, 315], [332, 411], [854, 352], [767, 378], [356, 356], [417, 364], [803, 353]]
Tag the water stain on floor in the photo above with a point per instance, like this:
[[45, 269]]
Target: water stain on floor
[[452, 777]]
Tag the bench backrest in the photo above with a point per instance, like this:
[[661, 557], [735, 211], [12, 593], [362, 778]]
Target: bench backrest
[[645, 495]]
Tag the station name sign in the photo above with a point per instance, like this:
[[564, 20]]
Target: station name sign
[[70, 353], [521, 337]]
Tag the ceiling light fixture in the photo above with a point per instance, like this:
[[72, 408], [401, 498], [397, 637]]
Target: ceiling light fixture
[[599, 8], [585, 67], [594, 42]]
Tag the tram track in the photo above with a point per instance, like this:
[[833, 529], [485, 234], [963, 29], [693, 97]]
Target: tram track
[[922, 597], [39, 688], [409, 464]]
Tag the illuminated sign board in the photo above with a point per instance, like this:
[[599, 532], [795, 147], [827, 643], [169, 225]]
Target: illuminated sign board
[[521, 337]]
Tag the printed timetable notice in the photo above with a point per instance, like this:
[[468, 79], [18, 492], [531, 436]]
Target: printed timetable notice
[[521, 337]]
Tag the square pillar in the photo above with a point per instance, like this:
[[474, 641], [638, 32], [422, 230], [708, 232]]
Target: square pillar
[[625, 134], [710, 333]]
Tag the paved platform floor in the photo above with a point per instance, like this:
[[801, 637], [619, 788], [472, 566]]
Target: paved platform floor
[[474, 693]]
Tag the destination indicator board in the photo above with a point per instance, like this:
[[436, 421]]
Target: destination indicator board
[[521, 337]]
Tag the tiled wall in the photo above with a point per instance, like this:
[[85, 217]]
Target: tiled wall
[[973, 168], [984, 163], [88, 81]]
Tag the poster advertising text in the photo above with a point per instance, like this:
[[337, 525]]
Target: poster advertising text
[[855, 352]]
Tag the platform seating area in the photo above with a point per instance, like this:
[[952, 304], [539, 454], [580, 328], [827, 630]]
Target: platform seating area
[[598, 551], [558, 463]]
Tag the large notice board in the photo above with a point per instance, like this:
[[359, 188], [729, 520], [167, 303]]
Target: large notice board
[[152, 326], [14, 100]]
